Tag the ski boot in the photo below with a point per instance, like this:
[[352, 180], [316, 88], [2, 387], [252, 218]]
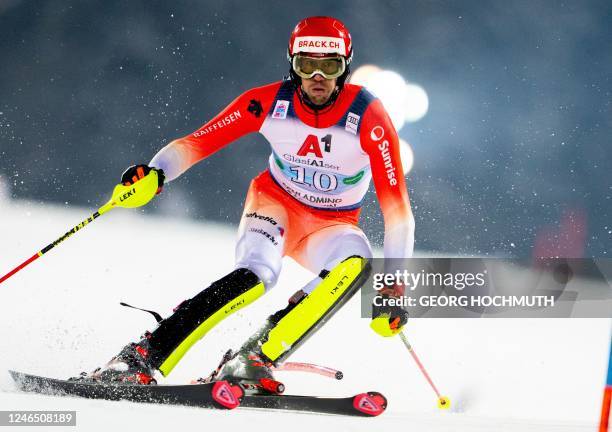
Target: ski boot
[[248, 370], [130, 366], [251, 371], [248, 367]]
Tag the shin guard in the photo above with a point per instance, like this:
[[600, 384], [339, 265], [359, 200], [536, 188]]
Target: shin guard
[[193, 318], [293, 325]]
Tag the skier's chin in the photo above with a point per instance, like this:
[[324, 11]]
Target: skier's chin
[[318, 97], [319, 100], [318, 91]]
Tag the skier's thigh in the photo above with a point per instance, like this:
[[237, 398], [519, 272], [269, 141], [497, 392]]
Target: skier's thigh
[[261, 242]]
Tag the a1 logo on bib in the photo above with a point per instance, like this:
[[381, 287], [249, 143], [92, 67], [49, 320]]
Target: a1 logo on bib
[[280, 110], [311, 145]]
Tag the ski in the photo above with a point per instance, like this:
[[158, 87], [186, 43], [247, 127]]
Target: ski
[[215, 395], [219, 394], [370, 404]]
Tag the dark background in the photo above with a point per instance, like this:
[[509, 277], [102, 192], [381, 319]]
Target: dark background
[[513, 157]]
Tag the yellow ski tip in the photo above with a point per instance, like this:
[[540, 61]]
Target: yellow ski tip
[[444, 402]]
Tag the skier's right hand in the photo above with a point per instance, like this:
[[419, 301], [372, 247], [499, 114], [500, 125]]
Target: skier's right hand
[[387, 320], [137, 172]]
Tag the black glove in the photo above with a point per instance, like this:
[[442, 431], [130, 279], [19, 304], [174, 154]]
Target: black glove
[[137, 172], [387, 320]]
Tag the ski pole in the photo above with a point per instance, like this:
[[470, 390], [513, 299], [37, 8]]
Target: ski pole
[[135, 195], [443, 401], [311, 368]]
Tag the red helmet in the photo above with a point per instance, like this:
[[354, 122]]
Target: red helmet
[[321, 35]]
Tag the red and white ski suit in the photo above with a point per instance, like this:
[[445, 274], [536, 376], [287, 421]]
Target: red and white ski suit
[[307, 203]]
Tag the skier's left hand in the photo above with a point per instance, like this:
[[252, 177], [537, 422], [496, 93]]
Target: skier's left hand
[[387, 320]]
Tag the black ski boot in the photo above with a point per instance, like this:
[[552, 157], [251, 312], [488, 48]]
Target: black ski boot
[[130, 366]]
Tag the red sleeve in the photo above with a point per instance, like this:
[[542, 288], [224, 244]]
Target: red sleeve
[[380, 141], [243, 116]]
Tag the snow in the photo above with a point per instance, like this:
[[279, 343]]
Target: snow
[[61, 315]]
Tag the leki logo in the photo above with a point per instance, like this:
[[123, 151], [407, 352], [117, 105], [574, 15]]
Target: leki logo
[[127, 194], [311, 145], [234, 306], [335, 289]]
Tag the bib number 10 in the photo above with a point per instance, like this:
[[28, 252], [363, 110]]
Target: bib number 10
[[320, 181]]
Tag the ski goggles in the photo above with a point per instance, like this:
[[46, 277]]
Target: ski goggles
[[328, 67]]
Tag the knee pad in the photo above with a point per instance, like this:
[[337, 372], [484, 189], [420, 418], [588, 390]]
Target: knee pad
[[263, 259], [349, 244], [264, 271]]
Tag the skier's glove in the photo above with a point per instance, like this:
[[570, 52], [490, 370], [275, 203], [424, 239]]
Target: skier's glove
[[137, 172], [387, 320]]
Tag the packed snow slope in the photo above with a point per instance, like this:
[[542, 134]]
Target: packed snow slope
[[61, 315]]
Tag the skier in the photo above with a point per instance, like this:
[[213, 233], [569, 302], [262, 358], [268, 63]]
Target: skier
[[329, 139]]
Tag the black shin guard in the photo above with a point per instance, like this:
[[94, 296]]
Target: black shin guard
[[193, 318]]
